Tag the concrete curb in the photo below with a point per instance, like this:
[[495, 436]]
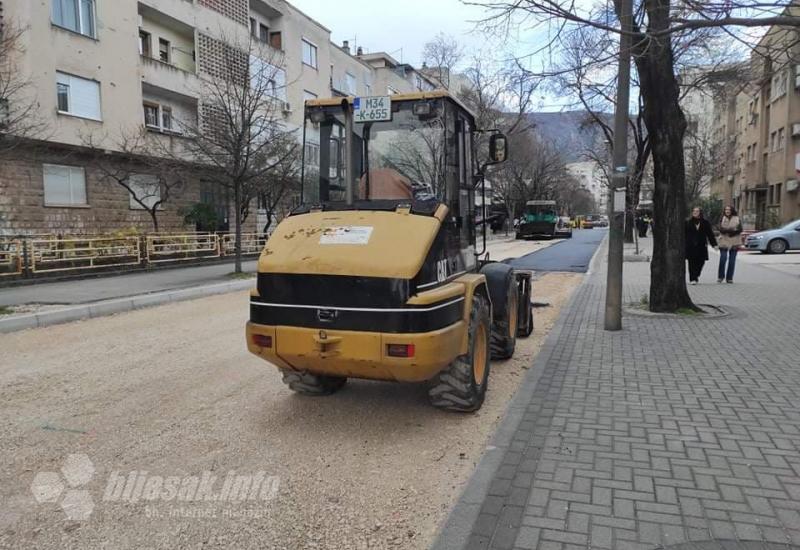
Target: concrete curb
[[119, 305], [454, 533]]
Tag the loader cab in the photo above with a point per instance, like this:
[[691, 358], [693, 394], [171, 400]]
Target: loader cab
[[407, 151]]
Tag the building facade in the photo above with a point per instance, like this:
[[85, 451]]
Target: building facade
[[591, 177], [100, 72], [757, 131]]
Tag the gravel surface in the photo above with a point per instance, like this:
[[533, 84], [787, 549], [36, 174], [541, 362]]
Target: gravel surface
[[172, 391]]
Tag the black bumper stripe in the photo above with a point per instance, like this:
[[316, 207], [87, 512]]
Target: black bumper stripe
[[394, 320]]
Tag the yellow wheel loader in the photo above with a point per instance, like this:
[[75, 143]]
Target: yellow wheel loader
[[378, 274]]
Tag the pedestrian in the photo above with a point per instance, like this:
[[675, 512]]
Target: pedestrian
[[641, 228], [698, 236], [730, 231]]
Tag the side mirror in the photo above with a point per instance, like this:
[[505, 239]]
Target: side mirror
[[498, 148]]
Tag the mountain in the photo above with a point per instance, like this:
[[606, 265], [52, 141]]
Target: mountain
[[569, 132]]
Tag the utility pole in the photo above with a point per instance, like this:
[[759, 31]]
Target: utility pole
[[619, 175]]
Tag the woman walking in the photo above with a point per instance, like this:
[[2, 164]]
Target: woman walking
[[698, 237], [730, 231]]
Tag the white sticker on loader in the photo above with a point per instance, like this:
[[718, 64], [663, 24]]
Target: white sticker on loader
[[348, 234]]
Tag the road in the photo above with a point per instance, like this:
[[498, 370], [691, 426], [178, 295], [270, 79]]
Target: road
[[787, 263], [170, 393], [573, 254], [80, 291]]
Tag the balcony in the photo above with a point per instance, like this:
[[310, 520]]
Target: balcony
[[168, 112], [167, 49], [169, 77]]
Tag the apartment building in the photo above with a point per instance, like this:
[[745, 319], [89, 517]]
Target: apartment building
[[100, 72], [757, 131], [591, 177]]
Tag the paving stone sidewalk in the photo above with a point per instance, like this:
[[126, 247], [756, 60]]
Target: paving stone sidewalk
[[675, 431]]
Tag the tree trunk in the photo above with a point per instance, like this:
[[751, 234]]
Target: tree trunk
[[632, 201], [629, 220], [269, 220], [666, 126], [237, 246], [154, 217]]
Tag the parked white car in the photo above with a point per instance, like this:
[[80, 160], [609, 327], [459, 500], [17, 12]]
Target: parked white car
[[776, 241]]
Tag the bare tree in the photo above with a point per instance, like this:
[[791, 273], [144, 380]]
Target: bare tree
[[572, 198], [150, 179], [240, 138], [661, 31], [584, 74], [534, 170], [441, 55], [19, 112], [274, 192]]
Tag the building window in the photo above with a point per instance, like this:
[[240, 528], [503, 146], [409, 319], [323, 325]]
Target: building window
[[263, 33], [158, 117], [253, 28], [78, 96], [351, 84], [166, 118], [163, 50], [144, 44], [779, 84], [146, 188], [309, 54], [275, 40], [151, 116], [75, 15], [267, 78], [778, 193], [62, 91], [64, 185], [781, 139], [773, 141]]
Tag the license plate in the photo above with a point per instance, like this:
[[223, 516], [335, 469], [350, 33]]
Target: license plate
[[372, 109]]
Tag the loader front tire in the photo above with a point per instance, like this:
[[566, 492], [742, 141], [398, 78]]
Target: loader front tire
[[306, 383], [504, 331], [461, 386]]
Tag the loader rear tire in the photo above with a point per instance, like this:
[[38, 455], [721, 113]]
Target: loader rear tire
[[504, 331], [461, 386], [306, 383]]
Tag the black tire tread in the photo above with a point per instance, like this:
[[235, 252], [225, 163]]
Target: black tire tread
[[306, 383], [453, 389], [502, 345]]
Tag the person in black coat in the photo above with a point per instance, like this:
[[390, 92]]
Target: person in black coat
[[698, 236]]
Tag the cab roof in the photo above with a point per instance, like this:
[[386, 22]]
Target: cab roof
[[411, 96]]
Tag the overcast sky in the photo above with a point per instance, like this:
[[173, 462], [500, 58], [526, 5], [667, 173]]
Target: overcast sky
[[378, 25]]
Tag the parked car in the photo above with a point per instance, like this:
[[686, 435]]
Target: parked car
[[776, 241]]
